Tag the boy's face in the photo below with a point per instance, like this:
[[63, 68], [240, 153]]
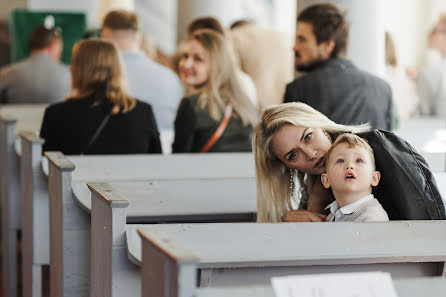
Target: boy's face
[[350, 170]]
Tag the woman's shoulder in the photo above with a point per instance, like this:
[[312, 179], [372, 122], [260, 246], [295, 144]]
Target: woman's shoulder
[[68, 104]]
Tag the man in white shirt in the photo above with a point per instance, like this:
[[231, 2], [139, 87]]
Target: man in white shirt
[[148, 81]]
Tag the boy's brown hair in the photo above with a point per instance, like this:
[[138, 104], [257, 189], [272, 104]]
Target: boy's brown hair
[[352, 140]]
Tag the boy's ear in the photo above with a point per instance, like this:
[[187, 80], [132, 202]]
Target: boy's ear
[[325, 181], [375, 178]]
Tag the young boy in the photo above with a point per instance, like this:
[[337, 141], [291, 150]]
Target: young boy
[[350, 172]]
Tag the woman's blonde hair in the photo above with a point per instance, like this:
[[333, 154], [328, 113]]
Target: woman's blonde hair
[[274, 198], [223, 85], [97, 68]]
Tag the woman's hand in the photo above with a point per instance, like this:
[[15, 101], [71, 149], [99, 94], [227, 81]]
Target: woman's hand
[[304, 216]]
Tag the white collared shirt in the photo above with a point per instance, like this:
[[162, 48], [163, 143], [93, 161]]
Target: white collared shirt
[[339, 213]]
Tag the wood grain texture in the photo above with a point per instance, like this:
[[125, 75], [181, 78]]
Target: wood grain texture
[[34, 214], [9, 183], [282, 244]]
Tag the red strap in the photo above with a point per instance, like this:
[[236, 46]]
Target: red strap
[[221, 128]]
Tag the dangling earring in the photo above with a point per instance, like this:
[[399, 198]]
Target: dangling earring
[[292, 173], [327, 134]]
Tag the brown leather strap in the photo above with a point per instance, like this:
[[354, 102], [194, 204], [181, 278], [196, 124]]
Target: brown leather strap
[[221, 128]]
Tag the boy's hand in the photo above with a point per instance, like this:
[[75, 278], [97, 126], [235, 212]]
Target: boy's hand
[[304, 216]]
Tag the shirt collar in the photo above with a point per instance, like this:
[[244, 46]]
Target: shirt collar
[[352, 207], [348, 209]]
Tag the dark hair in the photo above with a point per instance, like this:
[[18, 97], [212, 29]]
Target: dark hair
[[241, 23], [328, 23], [42, 37], [121, 20], [210, 23]]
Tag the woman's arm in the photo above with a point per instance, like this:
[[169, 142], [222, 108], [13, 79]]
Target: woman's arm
[[319, 197], [317, 201]]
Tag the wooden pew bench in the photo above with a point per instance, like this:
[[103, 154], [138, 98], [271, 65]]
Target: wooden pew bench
[[176, 188], [13, 118], [241, 253], [182, 261]]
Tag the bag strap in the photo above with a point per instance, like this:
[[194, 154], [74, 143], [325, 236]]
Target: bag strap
[[221, 128], [97, 132]]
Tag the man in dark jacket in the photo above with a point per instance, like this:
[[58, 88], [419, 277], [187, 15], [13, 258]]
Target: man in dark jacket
[[332, 84]]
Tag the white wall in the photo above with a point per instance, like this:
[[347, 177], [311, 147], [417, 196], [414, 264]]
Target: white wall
[[90, 7]]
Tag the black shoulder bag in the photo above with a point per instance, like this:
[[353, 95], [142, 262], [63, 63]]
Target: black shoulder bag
[[96, 133]]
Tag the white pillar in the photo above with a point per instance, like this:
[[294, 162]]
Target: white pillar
[[366, 43]]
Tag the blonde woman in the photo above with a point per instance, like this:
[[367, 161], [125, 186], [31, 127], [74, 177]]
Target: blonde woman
[[293, 138], [99, 117], [206, 67]]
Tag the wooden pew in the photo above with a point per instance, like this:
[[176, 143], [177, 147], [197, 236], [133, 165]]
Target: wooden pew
[[178, 264], [249, 254], [160, 191], [109, 213], [12, 119], [168, 261]]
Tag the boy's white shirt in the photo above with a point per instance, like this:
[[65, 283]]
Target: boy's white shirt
[[339, 213]]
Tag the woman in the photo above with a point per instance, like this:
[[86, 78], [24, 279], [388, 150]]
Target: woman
[[293, 138], [99, 117], [206, 67]]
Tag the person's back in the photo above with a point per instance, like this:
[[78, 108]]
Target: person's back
[[148, 81], [69, 126], [40, 78], [331, 84], [345, 94], [155, 84], [99, 117]]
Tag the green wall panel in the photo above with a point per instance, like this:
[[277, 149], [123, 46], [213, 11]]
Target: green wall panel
[[22, 22]]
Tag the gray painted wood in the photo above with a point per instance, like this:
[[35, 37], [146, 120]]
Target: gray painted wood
[[34, 214], [99, 168], [183, 200], [69, 233], [432, 287], [168, 269], [12, 119], [108, 216], [10, 204], [250, 253]]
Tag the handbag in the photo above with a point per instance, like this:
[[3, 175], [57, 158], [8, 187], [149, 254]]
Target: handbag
[[221, 128], [96, 133]]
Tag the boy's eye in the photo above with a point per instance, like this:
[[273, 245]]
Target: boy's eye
[[292, 156], [359, 161], [340, 161], [308, 136]]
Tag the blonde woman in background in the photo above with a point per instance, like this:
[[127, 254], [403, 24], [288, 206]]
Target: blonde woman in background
[[99, 117], [206, 68]]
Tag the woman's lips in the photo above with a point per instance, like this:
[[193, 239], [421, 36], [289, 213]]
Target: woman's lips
[[320, 163]]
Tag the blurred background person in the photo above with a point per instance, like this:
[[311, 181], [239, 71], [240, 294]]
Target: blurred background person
[[431, 81], [41, 78], [148, 81], [264, 54], [214, 24], [206, 67], [99, 117], [404, 91]]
